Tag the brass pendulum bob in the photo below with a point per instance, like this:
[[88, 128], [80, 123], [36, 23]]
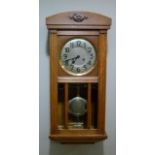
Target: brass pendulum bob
[[77, 108]]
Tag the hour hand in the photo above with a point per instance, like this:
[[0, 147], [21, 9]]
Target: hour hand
[[74, 58], [73, 61], [78, 56]]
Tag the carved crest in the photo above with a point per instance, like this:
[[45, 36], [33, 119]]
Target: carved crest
[[78, 18]]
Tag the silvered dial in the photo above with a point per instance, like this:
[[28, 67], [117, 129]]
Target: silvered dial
[[78, 57]]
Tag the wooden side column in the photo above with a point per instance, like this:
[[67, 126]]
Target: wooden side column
[[66, 107], [53, 78], [102, 80], [89, 108]]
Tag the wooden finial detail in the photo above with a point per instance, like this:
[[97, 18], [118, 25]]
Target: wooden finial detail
[[78, 18]]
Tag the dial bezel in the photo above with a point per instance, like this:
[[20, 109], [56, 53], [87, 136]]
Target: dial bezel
[[70, 72]]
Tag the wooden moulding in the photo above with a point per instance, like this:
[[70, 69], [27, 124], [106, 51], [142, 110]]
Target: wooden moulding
[[78, 20], [102, 80], [78, 27], [77, 79], [53, 81], [79, 33], [78, 138]]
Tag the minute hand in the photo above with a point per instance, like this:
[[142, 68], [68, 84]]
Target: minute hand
[[74, 58]]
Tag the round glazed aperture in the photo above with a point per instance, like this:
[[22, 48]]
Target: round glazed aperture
[[77, 57]]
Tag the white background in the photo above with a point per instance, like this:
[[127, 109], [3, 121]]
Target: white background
[[19, 78]]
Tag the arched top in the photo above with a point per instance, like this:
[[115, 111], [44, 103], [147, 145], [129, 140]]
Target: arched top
[[78, 20]]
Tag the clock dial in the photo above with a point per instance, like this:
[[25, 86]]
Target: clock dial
[[78, 57]]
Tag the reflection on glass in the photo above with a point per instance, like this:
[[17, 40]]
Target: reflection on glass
[[77, 105], [60, 106], [94, 104]]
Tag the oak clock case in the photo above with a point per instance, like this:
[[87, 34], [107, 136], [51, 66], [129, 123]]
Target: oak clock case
[[77, 47]]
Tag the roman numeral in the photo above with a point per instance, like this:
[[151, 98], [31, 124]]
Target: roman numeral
[[78, 43], [71, 45], [67, 49]]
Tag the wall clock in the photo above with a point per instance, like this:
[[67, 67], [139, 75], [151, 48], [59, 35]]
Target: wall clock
[[78, 48]]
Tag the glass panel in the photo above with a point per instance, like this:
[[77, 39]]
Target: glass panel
[[94, 104], [77, 105], [60, 106]]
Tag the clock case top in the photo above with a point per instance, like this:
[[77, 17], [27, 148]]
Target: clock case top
[[63, 27], [78, 20]]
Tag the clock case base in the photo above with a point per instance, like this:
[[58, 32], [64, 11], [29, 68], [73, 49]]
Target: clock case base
[[70, 138]]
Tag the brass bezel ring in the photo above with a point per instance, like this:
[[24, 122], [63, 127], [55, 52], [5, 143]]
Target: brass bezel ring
[[70, 72]]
